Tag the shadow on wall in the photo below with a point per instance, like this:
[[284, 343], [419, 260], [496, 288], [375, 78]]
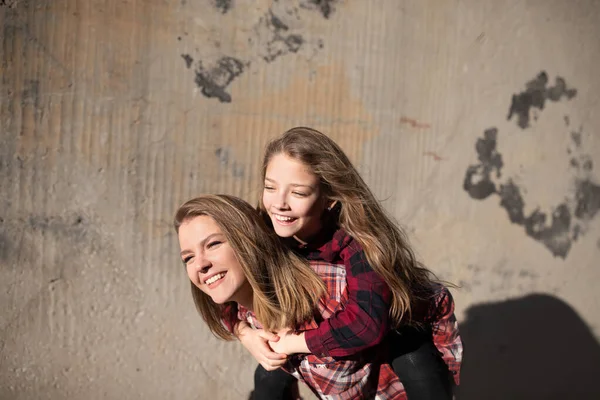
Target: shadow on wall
[[536, 347]]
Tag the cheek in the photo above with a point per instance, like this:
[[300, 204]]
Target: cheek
[[314, 209], [189, 270]]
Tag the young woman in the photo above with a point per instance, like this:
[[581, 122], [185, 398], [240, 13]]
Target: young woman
[[240, 271], [318, 203]]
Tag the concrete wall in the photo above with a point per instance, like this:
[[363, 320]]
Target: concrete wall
[[475, 121]]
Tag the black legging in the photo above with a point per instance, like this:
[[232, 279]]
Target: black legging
[[419, 365], [414, 358], [273, 385]]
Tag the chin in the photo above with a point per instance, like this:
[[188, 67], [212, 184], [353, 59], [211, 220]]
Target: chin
[[220, 300], [284, 233]]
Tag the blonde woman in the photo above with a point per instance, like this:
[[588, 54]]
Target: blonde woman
[[240, 271]]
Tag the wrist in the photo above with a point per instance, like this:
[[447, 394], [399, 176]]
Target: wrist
[[241, 330]]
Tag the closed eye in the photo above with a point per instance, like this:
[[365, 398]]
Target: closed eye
[[300, 194], [269, 188], [186, 260], [213, 244]]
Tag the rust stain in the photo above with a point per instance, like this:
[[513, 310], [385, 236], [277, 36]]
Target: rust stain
[[435, 156], [414, 123]]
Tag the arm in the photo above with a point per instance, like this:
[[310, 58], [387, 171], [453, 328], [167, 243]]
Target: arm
[[363, 322], [446, 336]]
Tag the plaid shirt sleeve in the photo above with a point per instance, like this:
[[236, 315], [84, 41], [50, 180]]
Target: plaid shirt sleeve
[[363, 322], [446, 336]]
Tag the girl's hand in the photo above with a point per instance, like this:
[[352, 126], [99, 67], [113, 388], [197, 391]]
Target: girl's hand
[[289, 343], [256, 341]]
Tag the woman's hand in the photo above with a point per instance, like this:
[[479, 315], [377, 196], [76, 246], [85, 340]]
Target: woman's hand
[[256, 341]]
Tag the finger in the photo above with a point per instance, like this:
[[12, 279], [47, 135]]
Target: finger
[[277, 364], [275, 356]]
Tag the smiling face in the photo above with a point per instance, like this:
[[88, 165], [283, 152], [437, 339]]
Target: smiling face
[[211, 263], [292, 198]]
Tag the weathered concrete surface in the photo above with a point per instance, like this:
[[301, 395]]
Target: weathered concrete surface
[[475, 121]]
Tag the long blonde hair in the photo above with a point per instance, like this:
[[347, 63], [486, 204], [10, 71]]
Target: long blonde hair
[[286, 289], [360, 214]]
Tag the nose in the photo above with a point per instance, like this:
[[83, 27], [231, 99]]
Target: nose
[[280, 200], [201, 265]]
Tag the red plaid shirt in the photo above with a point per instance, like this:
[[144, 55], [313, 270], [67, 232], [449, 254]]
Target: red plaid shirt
[[367, 375], [363, 322]]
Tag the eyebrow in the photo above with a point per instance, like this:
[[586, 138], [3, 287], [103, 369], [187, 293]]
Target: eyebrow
[[201, 243], [293, 184]]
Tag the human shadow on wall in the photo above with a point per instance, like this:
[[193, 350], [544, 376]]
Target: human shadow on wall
[[535, 347]]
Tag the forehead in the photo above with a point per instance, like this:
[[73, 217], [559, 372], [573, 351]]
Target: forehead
[[197, 228], [282, 167]]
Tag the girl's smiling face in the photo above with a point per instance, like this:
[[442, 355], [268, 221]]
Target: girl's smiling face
[[292, 198]]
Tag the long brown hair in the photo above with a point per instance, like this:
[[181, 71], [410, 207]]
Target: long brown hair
[[360, 214], [286, 289]]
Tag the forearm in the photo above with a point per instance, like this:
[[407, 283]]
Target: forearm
[[294, 343], [363, 323]]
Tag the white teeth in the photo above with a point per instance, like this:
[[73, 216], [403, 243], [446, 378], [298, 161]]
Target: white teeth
[[283, 218], [214, 278]]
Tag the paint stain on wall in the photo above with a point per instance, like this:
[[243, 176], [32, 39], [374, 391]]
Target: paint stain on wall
[[277, 39], [214, 79], [224, 155], [8, 3], [223, 5], [478, 180], [188, 60], [325, 7], [414, 123], [536, 94], [271, 37], [568, 220]]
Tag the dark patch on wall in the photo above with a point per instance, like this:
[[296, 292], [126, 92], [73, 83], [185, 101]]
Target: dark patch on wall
[[325, 7], [4, 246], [554, 236], [535, 96], [478, 179], [223, 5], [8, 3], [214, 80], [31, 94], [587, 196], [565, 224], [224, 157], [279, 41], [271, 38], [74, 227], [188, 60]]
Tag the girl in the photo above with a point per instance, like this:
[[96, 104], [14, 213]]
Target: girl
[[315, 199], [239, 270]]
